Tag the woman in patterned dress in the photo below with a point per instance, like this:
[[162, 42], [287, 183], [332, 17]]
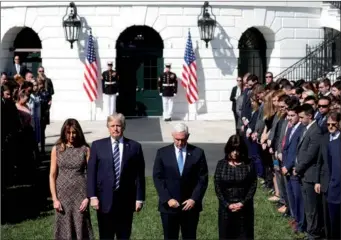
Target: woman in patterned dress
[[69, 159], [235, 183]]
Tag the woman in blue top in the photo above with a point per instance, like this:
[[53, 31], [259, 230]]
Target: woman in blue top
[[329, 175]]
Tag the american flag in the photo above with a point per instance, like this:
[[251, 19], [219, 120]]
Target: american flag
[[91, 73], [189, 73]]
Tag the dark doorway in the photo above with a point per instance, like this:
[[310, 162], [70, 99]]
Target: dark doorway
[[27, 46], [139, 62], [252, 53]]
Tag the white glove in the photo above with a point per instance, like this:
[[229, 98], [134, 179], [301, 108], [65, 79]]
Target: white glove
[[117, 94], [160, 94], [174, 94]]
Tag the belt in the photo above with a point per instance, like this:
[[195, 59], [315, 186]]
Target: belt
[[109, 83], [168, 85]]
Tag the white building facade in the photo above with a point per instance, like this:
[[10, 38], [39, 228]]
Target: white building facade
[[282, 30]]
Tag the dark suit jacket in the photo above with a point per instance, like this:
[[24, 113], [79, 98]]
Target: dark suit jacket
[[290, 148], [12, 71], [260, 125], [322, 168], [192, 184], [273, 130], [101, 175], [49, 86], [253, 120], [233, 98], [246, 107], [10, 121], [307, 154]]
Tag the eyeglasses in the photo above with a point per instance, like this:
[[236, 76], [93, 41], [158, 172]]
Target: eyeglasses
[[239, 80], [323, 106], [16, 58], [332, 125], [41, 71]]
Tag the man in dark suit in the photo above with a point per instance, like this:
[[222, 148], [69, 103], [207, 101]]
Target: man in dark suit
[[181, 177], [322, 112], [328, 176], [306, 168], [235, 93], [116, 180], [292, 137], [17, 68], [252, 81]]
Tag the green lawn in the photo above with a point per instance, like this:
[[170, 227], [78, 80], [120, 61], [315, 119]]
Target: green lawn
[[147, 224]]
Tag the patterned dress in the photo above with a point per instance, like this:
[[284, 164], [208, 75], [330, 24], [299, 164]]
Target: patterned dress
[[71, 191]]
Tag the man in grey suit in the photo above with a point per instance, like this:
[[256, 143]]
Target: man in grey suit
[[306, 168]]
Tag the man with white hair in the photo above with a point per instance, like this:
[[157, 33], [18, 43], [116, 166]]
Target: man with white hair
[[181, 177]]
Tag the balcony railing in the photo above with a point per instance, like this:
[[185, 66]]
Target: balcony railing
[[336, 4], [319, 61]]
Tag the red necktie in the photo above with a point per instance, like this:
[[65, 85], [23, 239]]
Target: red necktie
[[284, 138]]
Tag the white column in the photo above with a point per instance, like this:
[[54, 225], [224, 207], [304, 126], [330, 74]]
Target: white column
[[192, 112]]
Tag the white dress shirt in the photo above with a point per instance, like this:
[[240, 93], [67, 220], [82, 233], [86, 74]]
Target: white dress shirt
[[334, 136], [238, 93], [184, 153], [294, 129], [310, 124]]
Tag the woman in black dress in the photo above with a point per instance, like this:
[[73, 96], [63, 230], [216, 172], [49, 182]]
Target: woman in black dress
[[235, 181]]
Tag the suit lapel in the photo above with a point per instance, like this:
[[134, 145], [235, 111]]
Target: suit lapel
[[307, 132], [294, 134], [111, 156], [125, 155], [173, 160], [110, 152], [188, 159]]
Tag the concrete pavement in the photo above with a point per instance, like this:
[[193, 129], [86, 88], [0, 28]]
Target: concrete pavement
[[152, 130], [155, 133]]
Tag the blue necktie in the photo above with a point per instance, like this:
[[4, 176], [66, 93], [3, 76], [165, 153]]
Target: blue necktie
[[117, 165], [320, 120], [180, 161]]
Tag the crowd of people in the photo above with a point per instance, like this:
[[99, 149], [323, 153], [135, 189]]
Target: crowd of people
[[25, 106], [288, 135], [292, 132]]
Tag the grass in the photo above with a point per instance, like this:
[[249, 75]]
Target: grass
[[147, 224]]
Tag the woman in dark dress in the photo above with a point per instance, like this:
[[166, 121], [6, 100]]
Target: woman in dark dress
[[235, 183], [45, 100]]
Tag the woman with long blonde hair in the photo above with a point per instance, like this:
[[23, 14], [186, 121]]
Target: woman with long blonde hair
[[268, 116]]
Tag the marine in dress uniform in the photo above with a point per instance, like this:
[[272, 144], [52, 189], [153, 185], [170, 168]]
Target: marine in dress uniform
[[110, 86], [168, 88]]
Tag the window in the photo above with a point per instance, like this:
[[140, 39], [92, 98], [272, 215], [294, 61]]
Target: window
[[150, 74]]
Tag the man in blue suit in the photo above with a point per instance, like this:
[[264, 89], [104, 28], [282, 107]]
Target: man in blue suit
[[293, 187], [181, 177], [116, 180]]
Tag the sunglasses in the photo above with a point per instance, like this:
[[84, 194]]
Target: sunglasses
[[332, 125], [40, 71], [323, 106], [268, 76]]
